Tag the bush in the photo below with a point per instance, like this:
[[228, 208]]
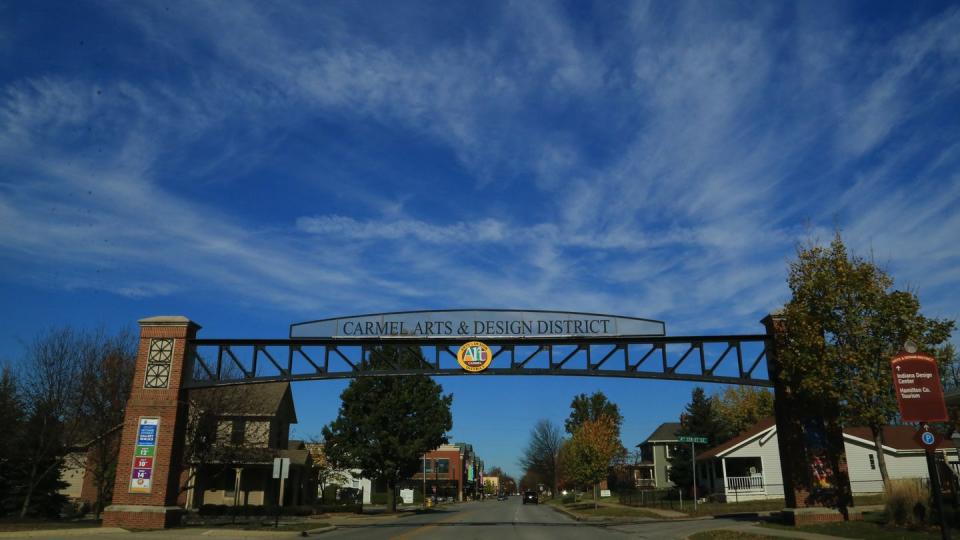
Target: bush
[[212, 509], [568, 499], [298, 510], [906, 503], [334, 508], [378, 498]]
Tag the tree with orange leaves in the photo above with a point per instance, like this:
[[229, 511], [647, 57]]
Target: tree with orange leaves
[[591, 451]]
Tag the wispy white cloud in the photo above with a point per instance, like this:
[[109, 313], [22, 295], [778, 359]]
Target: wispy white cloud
[[662, 168]]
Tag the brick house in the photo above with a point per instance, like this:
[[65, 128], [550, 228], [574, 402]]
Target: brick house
[[443, 472]]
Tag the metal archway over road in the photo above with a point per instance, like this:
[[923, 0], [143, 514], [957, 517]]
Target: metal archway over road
[[171, 360], [521, 343]]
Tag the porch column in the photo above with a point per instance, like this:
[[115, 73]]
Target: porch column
[[238, 475], [191, 488], [723, 462]]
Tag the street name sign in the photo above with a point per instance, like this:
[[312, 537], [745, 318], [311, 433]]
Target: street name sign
[[697, 440], [916, 383]]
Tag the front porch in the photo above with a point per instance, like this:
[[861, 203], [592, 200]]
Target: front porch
[[733, 479]]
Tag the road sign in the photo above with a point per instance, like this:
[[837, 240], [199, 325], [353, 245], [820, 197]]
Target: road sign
[[281, 467], [927, 438], [698, 440], [916, 382]]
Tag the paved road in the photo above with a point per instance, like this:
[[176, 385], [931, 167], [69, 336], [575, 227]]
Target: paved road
[[512, 520], [491, 520]]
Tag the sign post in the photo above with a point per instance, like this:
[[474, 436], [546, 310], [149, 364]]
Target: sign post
[[693, 462], [281, 469], [916, 383]]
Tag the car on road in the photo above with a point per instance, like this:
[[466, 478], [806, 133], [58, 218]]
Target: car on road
[[530, 497]]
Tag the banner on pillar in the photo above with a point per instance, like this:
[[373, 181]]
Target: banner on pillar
[[141, 473]]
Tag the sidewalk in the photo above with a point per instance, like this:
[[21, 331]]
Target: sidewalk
[[779, 533]]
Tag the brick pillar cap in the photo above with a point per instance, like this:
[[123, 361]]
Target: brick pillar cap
[[167, 320], [773, 316]]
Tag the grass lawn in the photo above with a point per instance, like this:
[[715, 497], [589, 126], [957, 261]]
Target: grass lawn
[[586, 509], [769, 505], [29, 524], [873, 527]]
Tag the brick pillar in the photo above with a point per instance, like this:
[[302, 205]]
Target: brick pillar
[[810, 440], [153, 427]]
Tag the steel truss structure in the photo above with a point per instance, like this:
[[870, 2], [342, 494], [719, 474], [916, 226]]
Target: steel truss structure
[[733, 359]]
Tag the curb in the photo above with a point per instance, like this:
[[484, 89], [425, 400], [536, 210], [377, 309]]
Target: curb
[[63, 532], [234, 533]]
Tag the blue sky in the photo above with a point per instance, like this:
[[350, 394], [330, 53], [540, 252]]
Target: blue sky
[[250, 165]]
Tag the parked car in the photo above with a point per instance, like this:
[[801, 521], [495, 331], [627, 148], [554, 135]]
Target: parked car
[[530, 497]]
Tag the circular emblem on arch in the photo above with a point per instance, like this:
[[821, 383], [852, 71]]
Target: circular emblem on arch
[[474, 356]]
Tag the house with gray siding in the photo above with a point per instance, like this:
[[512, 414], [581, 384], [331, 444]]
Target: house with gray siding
[[652, 470]]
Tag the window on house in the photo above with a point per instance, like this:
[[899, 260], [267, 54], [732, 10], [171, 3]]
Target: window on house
[[236, 434], [873, 464], [443, 466], [428, 466], [666, 450]]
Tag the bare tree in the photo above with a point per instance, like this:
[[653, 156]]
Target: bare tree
[[542, 452], [52, 395], [106, 381]]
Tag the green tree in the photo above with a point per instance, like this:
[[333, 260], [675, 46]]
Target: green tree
[[385, 424], [739, 407], [699, 420], [541, 457], [11, 418], [585, 408], [591, 451], [844, 323]]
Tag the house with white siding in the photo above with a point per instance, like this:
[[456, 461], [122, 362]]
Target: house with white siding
[[747, 467]]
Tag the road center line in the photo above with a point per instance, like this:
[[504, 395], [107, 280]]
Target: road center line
[[428, 526]]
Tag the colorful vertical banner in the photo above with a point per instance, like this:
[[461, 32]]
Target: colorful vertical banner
[[141, 474]]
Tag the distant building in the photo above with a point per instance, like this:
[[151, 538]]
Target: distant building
[[343, 478], [653, 469], [80, 464], [451, 471]]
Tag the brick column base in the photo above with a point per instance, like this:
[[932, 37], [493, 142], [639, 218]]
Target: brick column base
[[809, 516], [131, 516]]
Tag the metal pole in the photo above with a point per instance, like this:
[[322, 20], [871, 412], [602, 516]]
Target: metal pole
[[693, 463], [937, 493], [424, 475]]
